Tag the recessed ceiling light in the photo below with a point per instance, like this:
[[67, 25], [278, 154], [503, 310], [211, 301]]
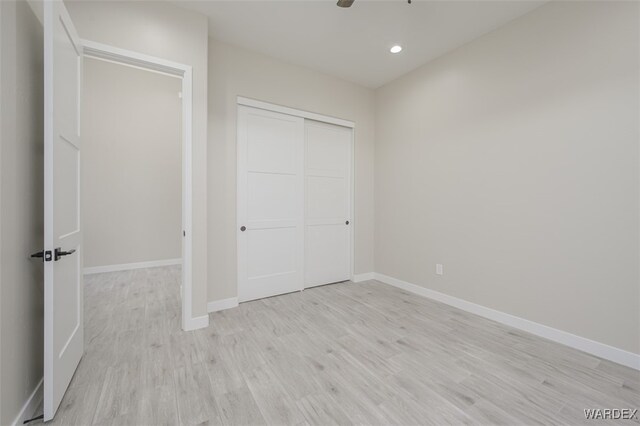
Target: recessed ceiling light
[[396, 49]]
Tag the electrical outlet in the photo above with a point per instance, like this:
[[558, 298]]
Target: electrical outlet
[[439, 269]]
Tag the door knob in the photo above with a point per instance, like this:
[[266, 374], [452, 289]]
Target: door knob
[[58, 253], [346, 223], [45, 255], [243, 228]]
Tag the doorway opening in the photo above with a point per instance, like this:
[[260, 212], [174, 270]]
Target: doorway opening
[[131, 194], [178, 239]]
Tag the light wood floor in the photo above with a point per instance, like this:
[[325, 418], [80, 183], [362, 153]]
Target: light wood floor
[[346, 353]]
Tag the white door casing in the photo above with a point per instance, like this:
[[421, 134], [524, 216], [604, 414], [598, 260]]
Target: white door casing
[[327, 203], [270, 203], [63, 299]]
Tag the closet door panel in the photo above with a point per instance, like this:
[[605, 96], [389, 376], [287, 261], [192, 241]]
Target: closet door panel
[[327, 203], [326, 200], [271, 252], [270, 203], [327, 260], [272, 197]]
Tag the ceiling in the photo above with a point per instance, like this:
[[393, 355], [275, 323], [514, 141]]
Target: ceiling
[[354, 43]]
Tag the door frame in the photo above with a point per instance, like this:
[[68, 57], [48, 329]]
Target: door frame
[[184, 72], [254, 103]]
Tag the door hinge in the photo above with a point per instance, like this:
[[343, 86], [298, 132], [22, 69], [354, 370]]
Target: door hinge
[[45, 255]]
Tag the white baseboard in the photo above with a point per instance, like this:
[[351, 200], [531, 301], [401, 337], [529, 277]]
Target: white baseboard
[[221, 305], [598, 349], [30, 406], [363, 277], [197, 323], [130, 266]]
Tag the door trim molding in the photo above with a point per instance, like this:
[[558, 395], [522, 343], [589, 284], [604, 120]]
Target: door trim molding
[[589, 346], [185, 73], [295, 112]]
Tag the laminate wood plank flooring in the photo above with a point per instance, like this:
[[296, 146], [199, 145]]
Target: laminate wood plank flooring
[[345, 353]]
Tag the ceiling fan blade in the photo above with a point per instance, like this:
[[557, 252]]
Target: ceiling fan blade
[[345, 3]]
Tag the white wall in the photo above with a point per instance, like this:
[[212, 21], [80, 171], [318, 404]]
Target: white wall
[[132, 165], [21, 201], [166, 31], [514, 162], [238, 72]]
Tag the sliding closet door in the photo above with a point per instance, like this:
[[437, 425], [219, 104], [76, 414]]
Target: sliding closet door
[[328, 203], [270, 203]]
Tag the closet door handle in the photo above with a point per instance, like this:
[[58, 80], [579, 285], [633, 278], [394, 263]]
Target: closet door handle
[[346, 223], [243, 228]]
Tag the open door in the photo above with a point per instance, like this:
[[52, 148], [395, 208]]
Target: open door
[[63, 324]]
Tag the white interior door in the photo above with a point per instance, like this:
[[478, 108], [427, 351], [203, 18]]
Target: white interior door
[[63, 329], [328, 203], [270, 203]]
